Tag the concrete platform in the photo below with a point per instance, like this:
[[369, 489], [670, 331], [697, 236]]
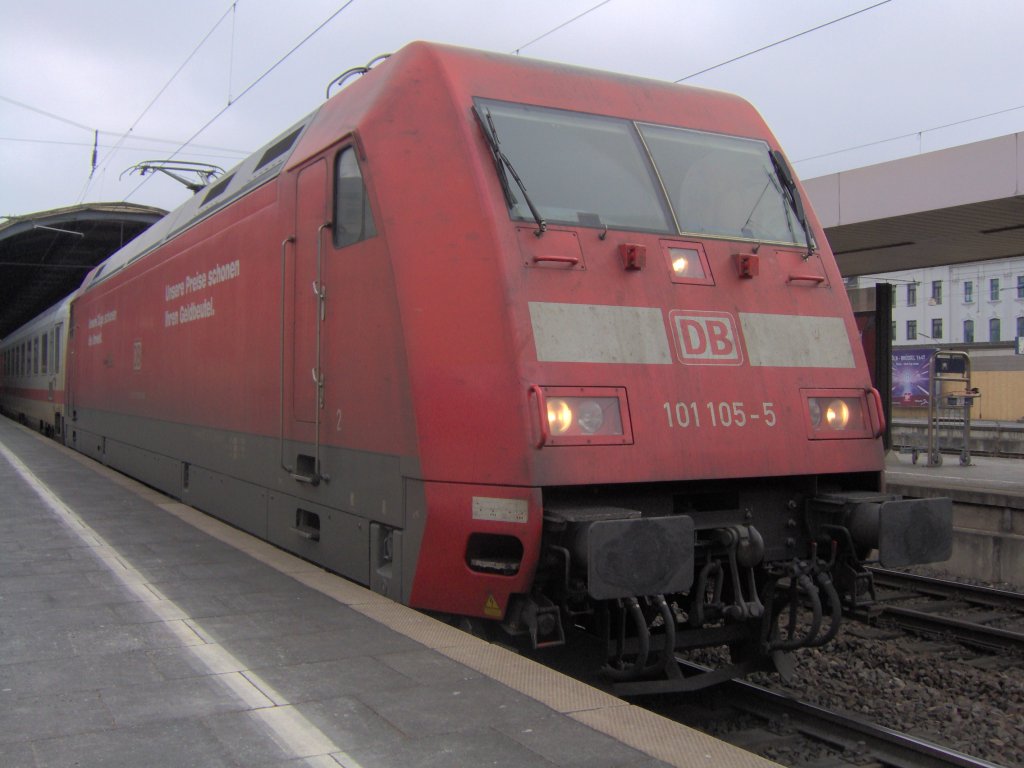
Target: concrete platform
[[986, 479], [988, 511], [137, 631]]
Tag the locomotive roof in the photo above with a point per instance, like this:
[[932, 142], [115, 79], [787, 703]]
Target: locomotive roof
[[260, 167], [476, 72]]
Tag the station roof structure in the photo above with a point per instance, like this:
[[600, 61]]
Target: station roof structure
[[947, 207], [44, 256]]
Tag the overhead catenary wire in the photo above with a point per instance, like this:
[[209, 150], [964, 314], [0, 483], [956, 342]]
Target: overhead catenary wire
[[44, 113], [783, 40], [211, 151], [153, 101], [911, 134], [561, 26], [248, 88]]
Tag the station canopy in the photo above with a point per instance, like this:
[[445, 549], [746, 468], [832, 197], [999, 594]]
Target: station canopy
[[45, 256], [951, 206]]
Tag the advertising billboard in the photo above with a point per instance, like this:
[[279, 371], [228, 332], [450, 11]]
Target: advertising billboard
[[910, 376]]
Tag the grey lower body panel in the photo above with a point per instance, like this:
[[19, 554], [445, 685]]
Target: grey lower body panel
[[240, 478]]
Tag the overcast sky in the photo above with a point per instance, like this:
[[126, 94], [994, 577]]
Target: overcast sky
[[163, 70]]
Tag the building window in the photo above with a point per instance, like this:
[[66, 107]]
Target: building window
[[993, 329], [936, 291], [894, 331], [1020, 326], [968, 291], [968, 331], [911, 330], [1020, 286], [993, 289], [937, 328], [911, 294]]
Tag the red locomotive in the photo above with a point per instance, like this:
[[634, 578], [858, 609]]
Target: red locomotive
[[517, 341]]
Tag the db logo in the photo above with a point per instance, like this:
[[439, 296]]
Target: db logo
[[706, 338]]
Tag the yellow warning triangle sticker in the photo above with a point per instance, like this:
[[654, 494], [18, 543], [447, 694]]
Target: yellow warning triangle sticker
[[491, 607]]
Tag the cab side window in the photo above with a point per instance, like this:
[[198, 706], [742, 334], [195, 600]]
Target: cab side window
[[353, 219]]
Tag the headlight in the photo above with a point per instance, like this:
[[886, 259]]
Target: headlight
[[588, 416], [686, 263], [584, 416], [837, 414], [559, 417], [832, 416], [814, 404]]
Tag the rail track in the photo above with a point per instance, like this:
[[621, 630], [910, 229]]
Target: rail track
[[982, 617], [799, 729], [798, 733]]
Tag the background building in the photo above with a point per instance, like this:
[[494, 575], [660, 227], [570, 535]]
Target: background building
[[976, 303]]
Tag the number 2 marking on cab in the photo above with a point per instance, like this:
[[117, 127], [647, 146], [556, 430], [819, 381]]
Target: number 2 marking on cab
[[722, 414]]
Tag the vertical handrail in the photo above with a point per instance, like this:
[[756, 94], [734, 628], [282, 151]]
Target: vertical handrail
[[321, 293], [933, 450], [965, 452], [536, 391], [876, 403], [284, 257]]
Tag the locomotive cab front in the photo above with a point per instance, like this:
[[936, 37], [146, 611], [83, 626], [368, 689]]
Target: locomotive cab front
[[703, 427]]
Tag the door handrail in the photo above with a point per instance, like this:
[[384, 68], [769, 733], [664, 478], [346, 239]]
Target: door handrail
[[284, 259], [321, 294]]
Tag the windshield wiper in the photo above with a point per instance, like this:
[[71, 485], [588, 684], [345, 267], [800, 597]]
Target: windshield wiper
[[793, 195], [745, 229], [501, 162]]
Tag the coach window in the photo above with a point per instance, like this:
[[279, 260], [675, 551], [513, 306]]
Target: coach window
[[35, 356], [353, 219], [45, 356]]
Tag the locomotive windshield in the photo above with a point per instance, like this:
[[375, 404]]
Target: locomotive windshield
[[592, 170]]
